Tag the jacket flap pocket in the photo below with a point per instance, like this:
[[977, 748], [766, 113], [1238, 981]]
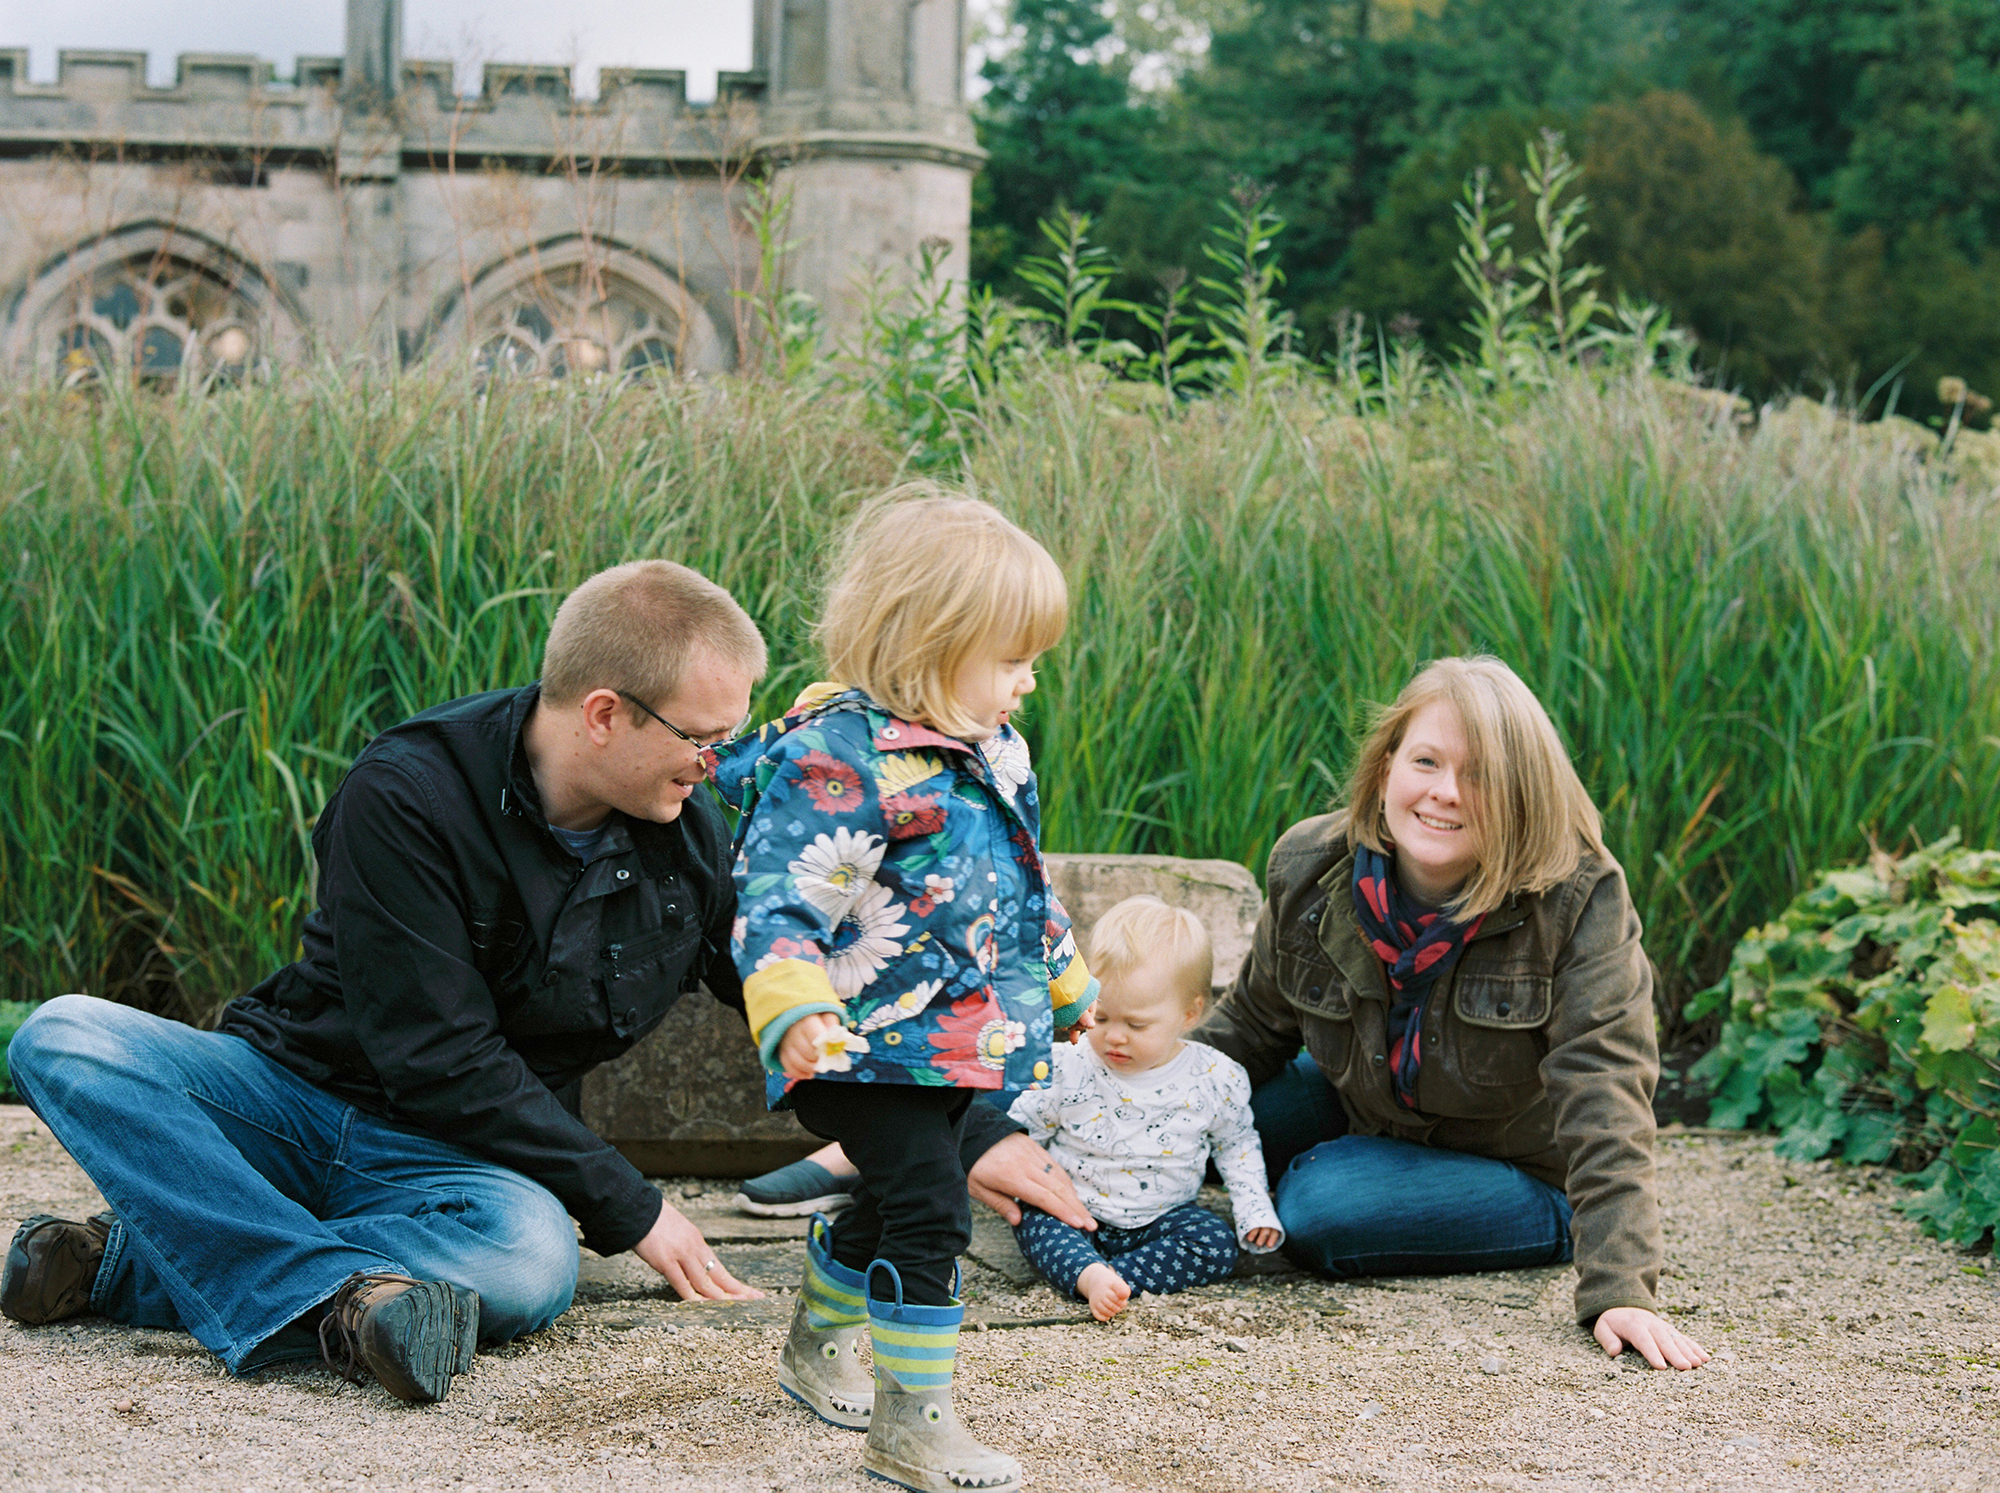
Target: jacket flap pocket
[[1311, 984], [1506, 1001]]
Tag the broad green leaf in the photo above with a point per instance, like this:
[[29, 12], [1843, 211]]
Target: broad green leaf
[[1948, 1020]]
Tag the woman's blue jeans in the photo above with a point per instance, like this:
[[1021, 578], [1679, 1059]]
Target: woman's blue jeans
[[1370, 1205], [245, 1196]]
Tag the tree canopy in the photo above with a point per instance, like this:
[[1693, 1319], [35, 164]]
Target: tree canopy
[[1813, 190]]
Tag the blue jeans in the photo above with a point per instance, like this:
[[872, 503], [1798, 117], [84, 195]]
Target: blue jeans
[[245, 1196], [1370, 1205]]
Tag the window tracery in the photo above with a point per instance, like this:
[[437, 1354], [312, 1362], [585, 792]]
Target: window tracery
[[156, 320], [577, 321]]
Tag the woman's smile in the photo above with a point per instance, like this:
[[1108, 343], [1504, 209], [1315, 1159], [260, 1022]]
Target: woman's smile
[[1426, 806]]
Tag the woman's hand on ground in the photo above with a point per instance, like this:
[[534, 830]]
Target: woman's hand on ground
[[1015, 1171], [1655, 1339], [798, 1053], [675, 1248], [1263, 1238]]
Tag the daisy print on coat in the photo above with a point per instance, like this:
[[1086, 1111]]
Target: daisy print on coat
[[891, 875], [832, 870], [865, 940]]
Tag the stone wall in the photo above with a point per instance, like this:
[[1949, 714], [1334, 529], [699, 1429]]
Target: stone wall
[[689, 1099], [363, 206]]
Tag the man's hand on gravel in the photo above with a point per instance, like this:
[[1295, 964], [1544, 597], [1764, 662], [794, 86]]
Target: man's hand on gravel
[[675, 1248], [1655, 1339], [1016, 1171]]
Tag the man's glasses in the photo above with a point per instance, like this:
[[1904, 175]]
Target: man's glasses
[[730, 735]]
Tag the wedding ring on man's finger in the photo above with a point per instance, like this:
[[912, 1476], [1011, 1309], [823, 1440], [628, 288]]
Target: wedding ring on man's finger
[[710, 1266]]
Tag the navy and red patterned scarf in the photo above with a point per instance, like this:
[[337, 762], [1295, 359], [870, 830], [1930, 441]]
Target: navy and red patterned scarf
[[1418, 947]]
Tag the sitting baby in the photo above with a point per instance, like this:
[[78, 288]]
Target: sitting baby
[[1134, 1112]]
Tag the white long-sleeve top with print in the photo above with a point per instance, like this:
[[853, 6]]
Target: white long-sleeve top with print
[[1136, 1144]]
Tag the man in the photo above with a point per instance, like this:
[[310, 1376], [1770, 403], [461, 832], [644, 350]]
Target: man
[[377, 1156], [378, 1153]]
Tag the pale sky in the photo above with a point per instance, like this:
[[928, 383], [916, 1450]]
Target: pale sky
[[701, 36]]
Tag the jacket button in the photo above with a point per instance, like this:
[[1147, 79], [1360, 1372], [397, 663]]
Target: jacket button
[[1313, 916], [1504, 1008], [549, 978], [1381, 1058], [1313, 994], [631, 1017], [624, 875], [890, 733]]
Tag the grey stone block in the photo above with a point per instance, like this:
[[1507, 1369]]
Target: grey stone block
[[1222, 894], [689, 1100]]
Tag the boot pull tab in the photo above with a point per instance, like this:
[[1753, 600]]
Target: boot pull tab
[[895, 1279]]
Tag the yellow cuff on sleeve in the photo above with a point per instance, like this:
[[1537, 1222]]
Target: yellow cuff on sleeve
[[784, 986], [1069, 987]]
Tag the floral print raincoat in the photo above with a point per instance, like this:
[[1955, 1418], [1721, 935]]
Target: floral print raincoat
[[893, 876]]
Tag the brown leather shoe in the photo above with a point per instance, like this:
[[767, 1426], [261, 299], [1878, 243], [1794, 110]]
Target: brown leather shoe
[[51, 1266], [412, 1335]]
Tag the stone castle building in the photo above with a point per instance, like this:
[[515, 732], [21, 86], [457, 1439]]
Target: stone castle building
[[233, 222]]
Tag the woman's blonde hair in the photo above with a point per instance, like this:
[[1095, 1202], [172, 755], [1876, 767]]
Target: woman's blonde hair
[[1531, 817], [925, 580], [1144, 927]]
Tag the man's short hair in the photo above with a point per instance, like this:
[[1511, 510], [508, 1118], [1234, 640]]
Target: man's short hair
[[635, 626], [1142, 929]]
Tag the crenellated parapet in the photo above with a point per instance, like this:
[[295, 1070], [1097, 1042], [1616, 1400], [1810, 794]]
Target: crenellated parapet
[[217, 101], [101, 102]]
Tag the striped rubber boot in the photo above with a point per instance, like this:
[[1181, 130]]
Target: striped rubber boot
[[821, 1366], [914, 1437]]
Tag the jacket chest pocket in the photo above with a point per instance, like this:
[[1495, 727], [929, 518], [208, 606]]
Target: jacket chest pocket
[[1323, 1001], [644, 976], [1496, 1032]]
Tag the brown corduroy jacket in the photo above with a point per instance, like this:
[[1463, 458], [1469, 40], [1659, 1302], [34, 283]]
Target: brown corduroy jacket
[[1539, 1047]]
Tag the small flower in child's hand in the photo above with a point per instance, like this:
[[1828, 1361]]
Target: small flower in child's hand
[[836, 1048]]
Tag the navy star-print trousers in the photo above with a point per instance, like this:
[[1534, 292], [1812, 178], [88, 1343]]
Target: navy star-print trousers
[[1183, 1247]]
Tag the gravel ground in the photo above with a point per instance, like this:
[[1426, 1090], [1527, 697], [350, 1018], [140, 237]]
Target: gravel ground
[[1851, 1353]]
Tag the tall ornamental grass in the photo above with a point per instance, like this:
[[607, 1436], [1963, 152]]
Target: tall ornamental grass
[[1763, 651]]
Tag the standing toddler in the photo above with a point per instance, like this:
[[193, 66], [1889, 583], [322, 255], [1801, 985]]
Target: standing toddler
[[901, 947], [1135, 1113]]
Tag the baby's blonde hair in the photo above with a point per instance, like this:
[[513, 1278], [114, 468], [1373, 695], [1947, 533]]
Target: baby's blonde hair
[[1530, 815], [1144, 928], [925, 580]]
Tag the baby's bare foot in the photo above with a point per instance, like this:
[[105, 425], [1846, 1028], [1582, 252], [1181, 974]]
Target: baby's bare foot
[[1105, 1290]]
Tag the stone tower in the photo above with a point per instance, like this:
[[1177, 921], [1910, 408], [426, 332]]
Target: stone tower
[[865, 116]]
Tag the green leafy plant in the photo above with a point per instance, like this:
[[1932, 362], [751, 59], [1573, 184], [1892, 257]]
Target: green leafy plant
[[1866, 1021], [911, 363], [1249, 331], [1073, 282], [784, 321]]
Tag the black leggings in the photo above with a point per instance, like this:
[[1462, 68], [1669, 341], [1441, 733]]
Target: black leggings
[[911, 1208]]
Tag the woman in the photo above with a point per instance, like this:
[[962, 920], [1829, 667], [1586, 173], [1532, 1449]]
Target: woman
[[1457, 951]]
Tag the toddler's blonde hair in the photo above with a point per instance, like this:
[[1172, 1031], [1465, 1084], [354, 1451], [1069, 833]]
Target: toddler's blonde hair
[[925, 580], [1530, 815], [1144, 928]]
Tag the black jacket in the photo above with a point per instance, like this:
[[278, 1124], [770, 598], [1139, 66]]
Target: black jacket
[[463, 970]]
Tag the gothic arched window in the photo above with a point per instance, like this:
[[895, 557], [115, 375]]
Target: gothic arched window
[[578, 320], [155, 319]]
